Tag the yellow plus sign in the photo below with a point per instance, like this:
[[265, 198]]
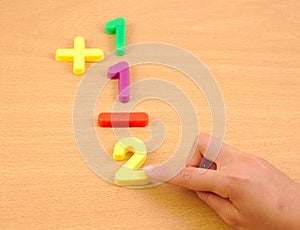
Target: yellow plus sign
[[79, 55]]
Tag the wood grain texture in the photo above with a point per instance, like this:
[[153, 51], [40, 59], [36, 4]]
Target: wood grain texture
[[251, 47]]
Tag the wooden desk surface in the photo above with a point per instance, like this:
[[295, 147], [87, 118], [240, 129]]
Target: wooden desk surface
[[251, 47]]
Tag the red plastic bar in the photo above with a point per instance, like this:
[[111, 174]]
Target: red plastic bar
[[123, 119]]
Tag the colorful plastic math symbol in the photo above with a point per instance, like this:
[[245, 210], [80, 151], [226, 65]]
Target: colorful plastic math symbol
[[121, 71], [79, 55], [123, 119], [130, 174], [118, 26]]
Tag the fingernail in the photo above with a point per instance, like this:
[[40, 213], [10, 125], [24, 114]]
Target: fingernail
[[202, 170], [148, 169]]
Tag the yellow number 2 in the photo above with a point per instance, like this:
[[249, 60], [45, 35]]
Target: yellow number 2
[[130, 174]]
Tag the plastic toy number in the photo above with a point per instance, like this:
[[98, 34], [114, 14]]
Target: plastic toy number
[[117, 26], [129, 174], [121, 71]]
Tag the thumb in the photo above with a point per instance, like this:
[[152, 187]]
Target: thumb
[[191, 178], [223, 207]]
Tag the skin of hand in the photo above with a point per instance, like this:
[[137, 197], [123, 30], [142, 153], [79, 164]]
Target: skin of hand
[[245, 190]]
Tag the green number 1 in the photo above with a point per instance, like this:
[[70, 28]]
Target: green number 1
[[117, 26]]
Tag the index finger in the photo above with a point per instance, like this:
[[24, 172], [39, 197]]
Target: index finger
[[209, 181]]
